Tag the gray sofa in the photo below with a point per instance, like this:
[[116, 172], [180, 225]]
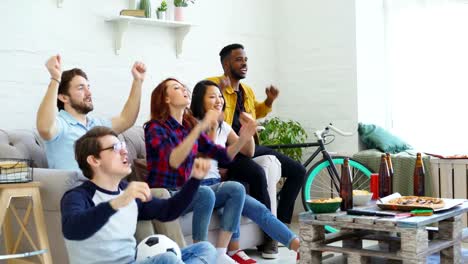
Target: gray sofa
[[27, 144]]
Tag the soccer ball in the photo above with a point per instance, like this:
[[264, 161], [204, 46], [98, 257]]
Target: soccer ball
[[155, 245]]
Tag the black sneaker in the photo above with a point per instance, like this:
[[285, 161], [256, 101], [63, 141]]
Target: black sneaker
[[270, 249]]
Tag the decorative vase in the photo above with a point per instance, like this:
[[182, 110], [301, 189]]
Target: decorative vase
[[161, 15], [179, 13], [146, 5]]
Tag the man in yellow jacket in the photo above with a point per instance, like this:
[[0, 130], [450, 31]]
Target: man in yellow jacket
[[239, 97]]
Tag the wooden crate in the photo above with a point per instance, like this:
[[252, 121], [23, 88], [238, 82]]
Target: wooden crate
[[449, 178]]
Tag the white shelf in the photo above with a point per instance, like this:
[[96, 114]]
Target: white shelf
[[121, 26]]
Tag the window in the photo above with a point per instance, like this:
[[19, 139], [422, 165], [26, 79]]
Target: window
[[427, 56]]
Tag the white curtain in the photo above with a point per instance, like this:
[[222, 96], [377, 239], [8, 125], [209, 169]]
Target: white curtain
[[427, 58]]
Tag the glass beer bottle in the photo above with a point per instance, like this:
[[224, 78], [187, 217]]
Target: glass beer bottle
[[346, 187], [418, 176], [390, 173], [384, 175]]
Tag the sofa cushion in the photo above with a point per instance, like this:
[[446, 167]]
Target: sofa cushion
[[54, 183], [24, 144], [374, 136], [135, 139], [215, 223]]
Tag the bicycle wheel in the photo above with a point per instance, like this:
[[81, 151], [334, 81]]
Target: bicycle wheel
[[318, 183]]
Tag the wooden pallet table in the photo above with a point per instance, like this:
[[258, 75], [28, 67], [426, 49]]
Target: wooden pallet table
[[400, 240]]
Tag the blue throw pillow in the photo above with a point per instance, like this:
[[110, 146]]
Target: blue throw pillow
[[375, 137]]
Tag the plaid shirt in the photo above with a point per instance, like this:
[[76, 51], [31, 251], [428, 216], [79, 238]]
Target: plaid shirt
[[161, 138]]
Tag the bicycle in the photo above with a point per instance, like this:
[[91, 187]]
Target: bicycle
[[323, 180]]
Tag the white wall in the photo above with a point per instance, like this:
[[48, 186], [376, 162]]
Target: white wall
[[373, 92], [316, 63], [308, 51], [32, 31]]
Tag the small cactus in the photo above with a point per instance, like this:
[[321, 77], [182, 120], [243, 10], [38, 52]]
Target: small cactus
[[146, 5]]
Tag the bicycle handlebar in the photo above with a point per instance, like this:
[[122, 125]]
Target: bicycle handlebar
[[341, 132], [320, 134]]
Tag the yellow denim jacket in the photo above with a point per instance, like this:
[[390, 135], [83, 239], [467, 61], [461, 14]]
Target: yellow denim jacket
[[251, 105]]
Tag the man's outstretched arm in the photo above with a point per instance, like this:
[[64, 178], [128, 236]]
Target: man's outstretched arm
[[47, 112], [129, 113]]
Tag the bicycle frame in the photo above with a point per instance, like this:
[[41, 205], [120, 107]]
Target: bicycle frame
[[320, 148]]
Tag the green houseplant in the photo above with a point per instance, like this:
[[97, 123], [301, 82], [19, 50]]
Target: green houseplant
[[163, 6], [183, 3], [146, 5], [278, 131], [161, 11]]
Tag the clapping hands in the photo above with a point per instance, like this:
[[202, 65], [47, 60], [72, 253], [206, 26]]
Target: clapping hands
[[200, 168], [248, 126]]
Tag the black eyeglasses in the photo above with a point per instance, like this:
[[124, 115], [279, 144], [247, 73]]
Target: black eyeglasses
[[116, 147]]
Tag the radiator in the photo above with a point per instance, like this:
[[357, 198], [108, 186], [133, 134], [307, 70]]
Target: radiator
[[449, 178]]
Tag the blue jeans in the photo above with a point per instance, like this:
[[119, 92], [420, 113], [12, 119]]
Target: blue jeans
[[198, 253], [227, 195], [263, 217]]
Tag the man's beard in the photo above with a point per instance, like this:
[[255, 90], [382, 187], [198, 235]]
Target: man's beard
[[236, 75], [81, 107]]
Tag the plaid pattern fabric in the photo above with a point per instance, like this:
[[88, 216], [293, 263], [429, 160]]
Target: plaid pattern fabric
[[161, 137]]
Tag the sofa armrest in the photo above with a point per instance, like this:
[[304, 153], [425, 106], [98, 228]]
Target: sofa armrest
[[54, 183], [272, 167]]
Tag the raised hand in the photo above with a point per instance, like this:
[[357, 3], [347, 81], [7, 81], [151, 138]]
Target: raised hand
[[210, 120], [54, 66], [135, 190], [200, 168], [272, 93], [245, 118], [139, 71], [248, 128]]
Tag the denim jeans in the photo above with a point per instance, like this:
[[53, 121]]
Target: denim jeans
[[229, 196], [198, 253], [263, 217]]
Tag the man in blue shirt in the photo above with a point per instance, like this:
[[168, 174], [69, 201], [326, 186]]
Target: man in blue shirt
[[69, 92], [99, 217]]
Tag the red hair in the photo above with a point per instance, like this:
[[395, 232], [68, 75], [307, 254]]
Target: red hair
[[160, 109]]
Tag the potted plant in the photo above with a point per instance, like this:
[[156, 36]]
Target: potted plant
[[146, 5], [179, 8], [278, 131], [161, 12]]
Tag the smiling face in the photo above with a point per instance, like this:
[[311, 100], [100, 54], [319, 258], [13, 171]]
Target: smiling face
[[177, 96], [213, 99], [113, 157], [237, 64], [79, 96]]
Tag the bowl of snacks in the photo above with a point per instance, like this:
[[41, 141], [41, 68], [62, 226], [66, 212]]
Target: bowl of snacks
[[325, 205], [361, 197]]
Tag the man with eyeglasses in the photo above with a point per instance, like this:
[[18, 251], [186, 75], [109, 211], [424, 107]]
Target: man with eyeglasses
[[99, 217], [70, 93]]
